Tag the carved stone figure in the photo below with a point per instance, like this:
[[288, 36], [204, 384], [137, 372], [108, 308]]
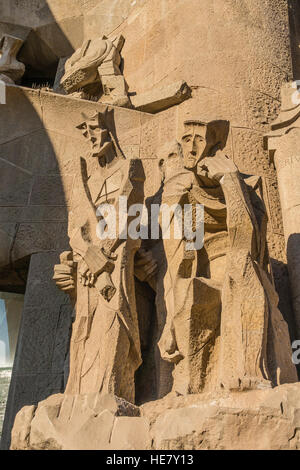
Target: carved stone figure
[[105, 342], [222, 325], [163, 345], [94, 70], [283, 143], [11, 70]]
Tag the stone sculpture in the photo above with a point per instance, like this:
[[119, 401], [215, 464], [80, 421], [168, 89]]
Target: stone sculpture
[[199, 357], [283, 143], [11, 70], [94, 70], [222, 325], [216, 306], [218, 323], [105, 343]]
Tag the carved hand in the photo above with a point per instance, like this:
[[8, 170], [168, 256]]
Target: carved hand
[[65, 272], [168, 345], [85, 276], [102, 282], [218, 166], [96, 261]]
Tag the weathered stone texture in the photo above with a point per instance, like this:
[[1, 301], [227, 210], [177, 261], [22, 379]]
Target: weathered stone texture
[[231, 423], [203, 422]]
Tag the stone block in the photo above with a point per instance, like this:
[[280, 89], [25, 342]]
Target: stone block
[[161, 99], [130, 434]]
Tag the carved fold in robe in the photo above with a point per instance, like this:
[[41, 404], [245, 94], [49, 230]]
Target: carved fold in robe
[[105, 344], [219, 303]]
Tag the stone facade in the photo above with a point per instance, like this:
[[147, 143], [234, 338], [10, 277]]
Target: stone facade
[[161, 102]]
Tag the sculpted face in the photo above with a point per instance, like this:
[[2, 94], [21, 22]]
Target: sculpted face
[[98, 137], [92, 132], [193, 144]]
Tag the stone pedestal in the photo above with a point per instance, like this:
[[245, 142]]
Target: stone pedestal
[[254, 420]]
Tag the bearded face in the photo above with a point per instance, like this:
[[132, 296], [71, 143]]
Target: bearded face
[[193, 145]]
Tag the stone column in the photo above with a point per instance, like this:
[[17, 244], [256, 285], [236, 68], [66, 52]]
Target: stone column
[[283, 144], [43, 342]]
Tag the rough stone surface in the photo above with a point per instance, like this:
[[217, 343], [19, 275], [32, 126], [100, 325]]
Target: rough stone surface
[[82, 422], [223, 422], [231, 422]]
